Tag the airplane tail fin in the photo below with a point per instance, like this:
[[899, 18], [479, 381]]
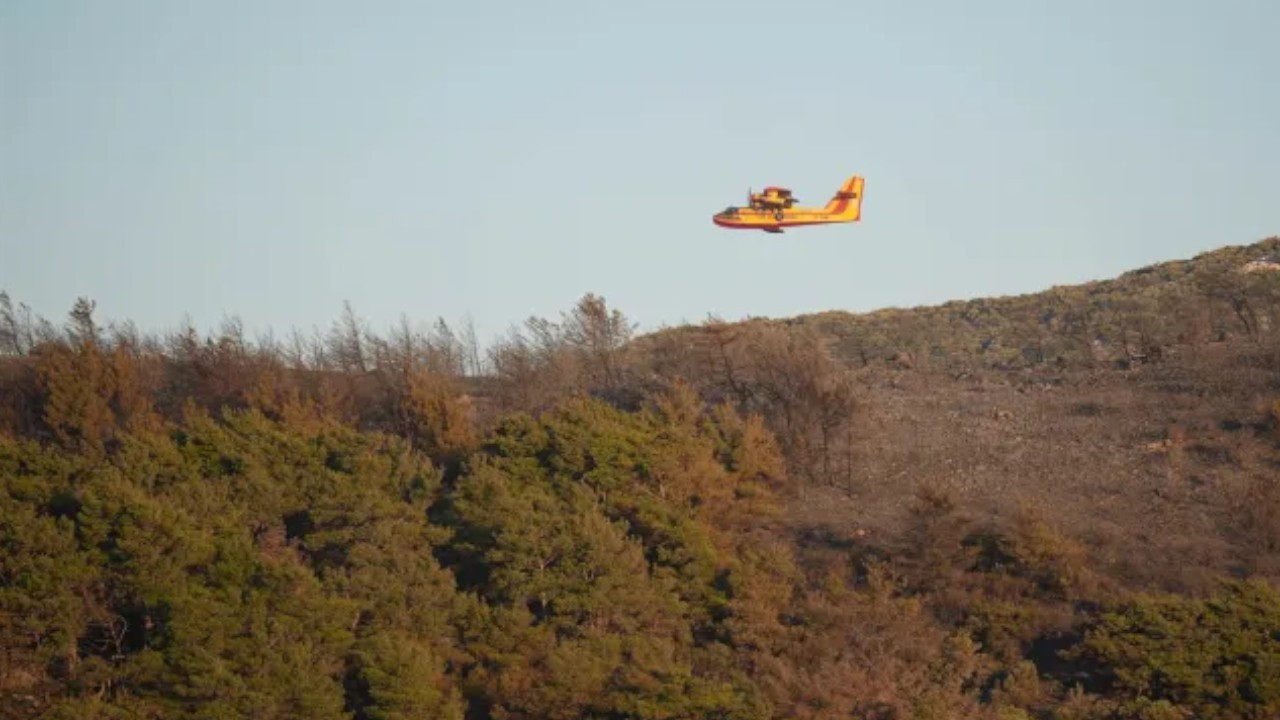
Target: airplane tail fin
[[847, 202]]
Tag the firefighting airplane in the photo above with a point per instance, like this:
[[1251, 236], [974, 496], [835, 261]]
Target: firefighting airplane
[[775, 209]]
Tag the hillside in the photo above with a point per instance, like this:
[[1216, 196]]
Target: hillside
[[1138, 412], [1061, 505]]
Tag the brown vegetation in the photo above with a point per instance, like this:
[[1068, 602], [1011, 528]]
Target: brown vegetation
[[996, 508]]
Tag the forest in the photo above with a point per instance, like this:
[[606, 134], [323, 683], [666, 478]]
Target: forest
[[1062, 506]]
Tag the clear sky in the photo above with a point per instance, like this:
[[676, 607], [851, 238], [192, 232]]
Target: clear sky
[[499, 159]]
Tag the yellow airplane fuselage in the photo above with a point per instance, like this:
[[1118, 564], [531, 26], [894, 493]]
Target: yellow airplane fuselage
[[845, 207]]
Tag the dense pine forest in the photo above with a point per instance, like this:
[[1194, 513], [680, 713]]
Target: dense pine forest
[[1063, 505]]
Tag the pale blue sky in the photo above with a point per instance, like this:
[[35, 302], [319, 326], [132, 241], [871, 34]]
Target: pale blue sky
[[272, 159]]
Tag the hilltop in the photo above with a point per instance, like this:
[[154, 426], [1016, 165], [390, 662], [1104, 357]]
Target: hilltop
[[1216, 295], [1120, 320]]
